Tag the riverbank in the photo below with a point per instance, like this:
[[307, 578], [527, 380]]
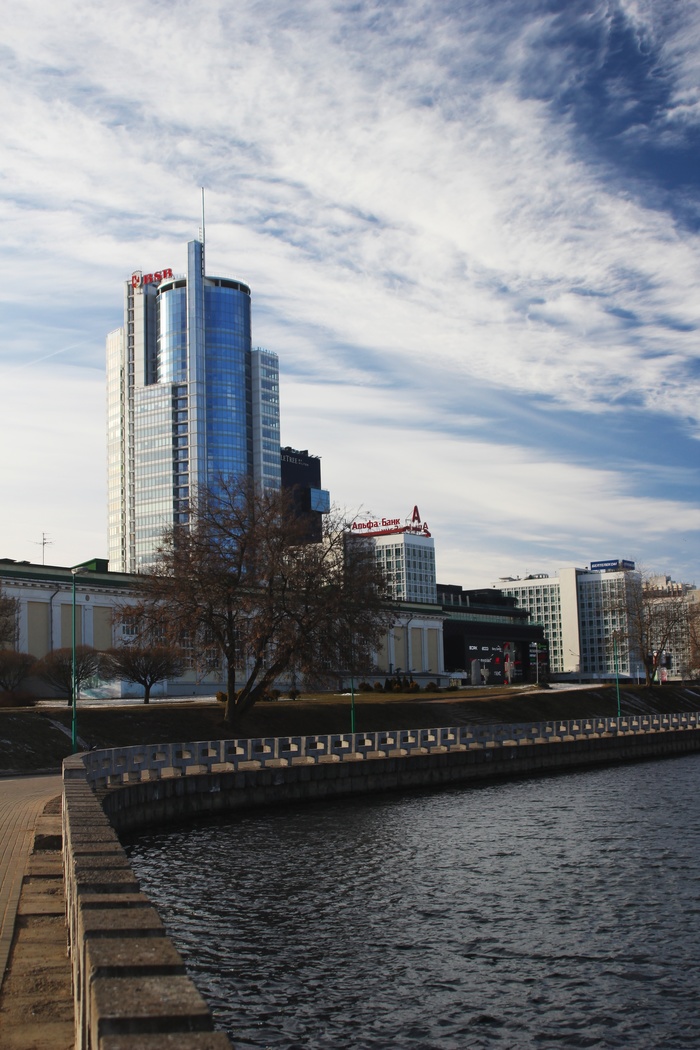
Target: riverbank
[[38, 739]]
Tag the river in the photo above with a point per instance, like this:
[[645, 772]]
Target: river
[[560, 911]]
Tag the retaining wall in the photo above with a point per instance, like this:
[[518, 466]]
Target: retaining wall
[[130, 986]]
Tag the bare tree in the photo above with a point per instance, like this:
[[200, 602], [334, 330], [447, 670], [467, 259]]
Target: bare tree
[[143, 665], [9, 621], [241, 582], [14, 668], [653, 620], [56, 668]]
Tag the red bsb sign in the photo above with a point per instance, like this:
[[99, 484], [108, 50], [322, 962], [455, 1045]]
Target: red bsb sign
[[138, 279]]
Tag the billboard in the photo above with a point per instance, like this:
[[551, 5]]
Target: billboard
[[613, 565]]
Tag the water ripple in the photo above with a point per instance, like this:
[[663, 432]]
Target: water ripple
[[559, 912]]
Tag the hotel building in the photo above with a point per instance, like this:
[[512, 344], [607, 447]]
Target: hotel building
[[189, 401]]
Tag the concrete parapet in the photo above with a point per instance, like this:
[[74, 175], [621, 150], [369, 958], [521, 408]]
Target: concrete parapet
[[138, 1005], [130, 988], [168, 1041], [129, 983]]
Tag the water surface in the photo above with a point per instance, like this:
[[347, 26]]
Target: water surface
[[547, 912]]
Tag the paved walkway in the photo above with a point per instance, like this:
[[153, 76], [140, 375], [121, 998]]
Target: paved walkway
[[22, 800]]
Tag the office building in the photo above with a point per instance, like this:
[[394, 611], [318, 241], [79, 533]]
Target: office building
[[408, 561], [301, 476], [586, 616], [405, 550], [189, 401]]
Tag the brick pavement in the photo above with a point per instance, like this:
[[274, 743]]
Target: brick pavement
[[34, 971], [22, 800]]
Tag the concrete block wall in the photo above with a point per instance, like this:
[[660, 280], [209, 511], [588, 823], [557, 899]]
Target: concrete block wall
[[130, 988]]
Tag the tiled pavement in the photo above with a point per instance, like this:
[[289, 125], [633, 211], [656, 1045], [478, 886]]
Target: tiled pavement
[[22, 800], [36, 1000]]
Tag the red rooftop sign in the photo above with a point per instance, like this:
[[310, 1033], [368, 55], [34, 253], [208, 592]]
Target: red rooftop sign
[[392, 526], [138, 279]]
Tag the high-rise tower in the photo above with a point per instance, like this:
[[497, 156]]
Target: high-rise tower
[[188, 402]]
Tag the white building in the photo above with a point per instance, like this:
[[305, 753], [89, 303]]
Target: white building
[[406, 552], [583, 613], [579, 610], [46, 594]]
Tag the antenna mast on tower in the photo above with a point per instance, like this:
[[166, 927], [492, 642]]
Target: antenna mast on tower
[[201, 233]]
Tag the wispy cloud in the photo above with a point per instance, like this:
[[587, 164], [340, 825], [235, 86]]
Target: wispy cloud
[[471, 229]]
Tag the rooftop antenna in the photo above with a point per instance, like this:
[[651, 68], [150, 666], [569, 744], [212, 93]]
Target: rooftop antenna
[[44, 542], [201, 232]]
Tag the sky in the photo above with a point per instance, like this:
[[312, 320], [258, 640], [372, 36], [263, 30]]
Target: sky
[[471, 230]]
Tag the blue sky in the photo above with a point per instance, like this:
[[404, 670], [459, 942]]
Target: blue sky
[[472, 232]]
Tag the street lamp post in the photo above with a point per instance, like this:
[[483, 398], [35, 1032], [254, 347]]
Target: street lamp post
[[74, 673], [352, 702], [617, 671]]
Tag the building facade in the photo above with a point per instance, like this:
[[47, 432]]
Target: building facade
[[405, 551], [301, 475], [588, 619], [45, 598], [488, 637], [44, 595], [189, 401]]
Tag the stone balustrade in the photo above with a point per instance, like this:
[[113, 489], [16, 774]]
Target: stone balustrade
[[115, 767]]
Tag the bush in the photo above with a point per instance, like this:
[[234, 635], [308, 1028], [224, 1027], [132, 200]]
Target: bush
[[294, 694], [378, 687], [364, 687], [431, 687], [221, 696], [17, 698], [275, 694], [14, 668]]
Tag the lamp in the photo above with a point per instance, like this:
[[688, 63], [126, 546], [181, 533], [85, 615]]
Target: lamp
[[74, 672]]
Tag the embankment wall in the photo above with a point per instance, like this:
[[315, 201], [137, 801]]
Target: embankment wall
[[130, 986]]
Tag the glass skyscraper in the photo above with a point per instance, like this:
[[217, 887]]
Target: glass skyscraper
[[189, 401]]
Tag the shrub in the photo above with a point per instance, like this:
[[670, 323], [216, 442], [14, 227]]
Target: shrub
[[431, 687], [275, 694], [294, 694], [414, 687], [364, 687], [378, 687], [17, 698], [221, 696], [14, 668]]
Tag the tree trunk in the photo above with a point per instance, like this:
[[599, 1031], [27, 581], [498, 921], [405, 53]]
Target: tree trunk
[[146, 693], [230, 710]]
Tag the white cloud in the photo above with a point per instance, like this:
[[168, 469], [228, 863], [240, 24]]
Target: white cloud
[[54, 463], [414, 221]]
